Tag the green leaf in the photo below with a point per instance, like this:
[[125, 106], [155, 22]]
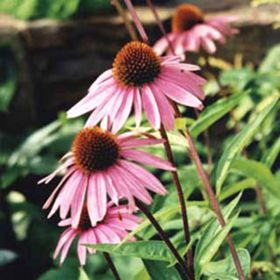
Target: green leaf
[[159, 271], [225, 269], [260, 172], [209, 251], [8, 79], [272, 154], [237, 144], [237, 187], [83, 275], [7, 90], [6, 257], [214, 228], [34, 144], [213, 113], [271, 61], [150, 250]]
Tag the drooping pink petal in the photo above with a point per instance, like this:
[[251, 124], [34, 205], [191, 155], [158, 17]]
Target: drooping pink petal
[[134, 187], [70, 184], [66, 246], [149, 159], [148, 179], [112, 237], [93, 100], [101, 237], [137, 106], [61, 168], [123, 111], [96, 198], [121, 186], [106, 75], [100, 112], [208, 45], [139, 142], [81, 249], [178, 94], [78, 202], [150, 107], [91, 240], [165, 108], [112, 191], [63, 238], [54, 193], [182, 80], [67, 194], [162, 44], [66, 222]]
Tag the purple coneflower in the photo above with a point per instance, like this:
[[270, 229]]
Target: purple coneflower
[[191, 31], [143, 80], [100, 164], [113, 228]]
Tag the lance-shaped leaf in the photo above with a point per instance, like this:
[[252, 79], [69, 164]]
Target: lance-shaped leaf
[[238, 143], [213, 113], [225, 269], [159, 271], [149, 250], [260, 173]]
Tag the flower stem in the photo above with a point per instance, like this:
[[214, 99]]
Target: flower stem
[[161, 27], [164, 237], [213, 200], [137, 21], [126, 20], [182, 202], [112, 266]]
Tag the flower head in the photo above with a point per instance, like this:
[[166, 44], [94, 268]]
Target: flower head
[[112, 229], [191, 30], [143, 80], [102, 164]]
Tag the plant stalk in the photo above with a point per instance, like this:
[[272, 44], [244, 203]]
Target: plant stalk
[[137, 21], [112, 266], [213, 200], [180, 193], [164, 237], [161, 27], [126, 20]]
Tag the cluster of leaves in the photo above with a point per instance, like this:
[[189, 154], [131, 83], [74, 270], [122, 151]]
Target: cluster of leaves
[[244, 117], [58, 9]]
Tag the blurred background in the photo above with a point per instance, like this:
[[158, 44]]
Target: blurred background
[[50, 53]]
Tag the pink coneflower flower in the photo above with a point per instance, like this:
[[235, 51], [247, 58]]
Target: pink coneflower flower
[[112, 229], [143, 80], [191, 31], [102, 163]]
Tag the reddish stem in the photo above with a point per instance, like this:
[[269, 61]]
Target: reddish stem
[[214, 202], [164, 237], [182, 202], [112, 266], [161, 27], [137, 21], [127, 22]]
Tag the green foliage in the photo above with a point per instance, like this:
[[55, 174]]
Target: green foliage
[[213, 113], [8, 79], [260, 173], [239, 142], [225, 269], [58, 9], [159, 271], [148, 250]]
